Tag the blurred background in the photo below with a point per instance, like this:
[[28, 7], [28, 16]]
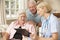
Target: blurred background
[[9, 9]]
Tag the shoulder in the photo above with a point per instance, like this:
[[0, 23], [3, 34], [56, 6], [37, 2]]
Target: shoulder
[[13, 23], [28, 12], [53, 18]]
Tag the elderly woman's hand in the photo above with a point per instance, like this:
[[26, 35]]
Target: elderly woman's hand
[[32, 22], [34, 37]]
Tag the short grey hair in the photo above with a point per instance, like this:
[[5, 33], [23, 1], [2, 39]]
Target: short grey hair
[[32, 1]]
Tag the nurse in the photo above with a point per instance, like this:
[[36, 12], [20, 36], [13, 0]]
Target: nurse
[[49, 24]]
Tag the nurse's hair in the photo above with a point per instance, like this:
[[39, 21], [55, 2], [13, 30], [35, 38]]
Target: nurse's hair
[[45, 4]]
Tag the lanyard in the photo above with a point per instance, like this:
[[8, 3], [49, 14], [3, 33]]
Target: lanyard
[[45, 26]]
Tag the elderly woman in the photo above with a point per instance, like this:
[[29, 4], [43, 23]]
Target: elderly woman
[[23, 24], [49, 24]]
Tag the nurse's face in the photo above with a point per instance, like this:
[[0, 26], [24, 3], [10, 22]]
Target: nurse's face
[[41, 11]]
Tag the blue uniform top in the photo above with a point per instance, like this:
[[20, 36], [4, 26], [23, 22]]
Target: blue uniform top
[[49, 26]]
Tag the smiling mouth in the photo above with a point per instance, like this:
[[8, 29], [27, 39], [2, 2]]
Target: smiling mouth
[[23, 19]]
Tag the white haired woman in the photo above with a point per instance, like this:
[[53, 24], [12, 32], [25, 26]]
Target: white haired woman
[[23, 24]]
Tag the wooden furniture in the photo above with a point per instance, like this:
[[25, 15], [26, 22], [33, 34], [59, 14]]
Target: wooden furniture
[[57, 15]]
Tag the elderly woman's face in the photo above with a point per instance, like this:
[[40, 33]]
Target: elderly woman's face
[[22, 17], [41, 10]]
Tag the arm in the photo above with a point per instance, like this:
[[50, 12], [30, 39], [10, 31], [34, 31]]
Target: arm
[[8, 31], [33, 32], [6, 36], [54, 37]]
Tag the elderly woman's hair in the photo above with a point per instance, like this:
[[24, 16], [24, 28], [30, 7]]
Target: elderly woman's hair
[[31, 2], [21, 12], [45, 4]]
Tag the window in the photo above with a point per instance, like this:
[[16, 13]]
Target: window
[[11, 8]]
